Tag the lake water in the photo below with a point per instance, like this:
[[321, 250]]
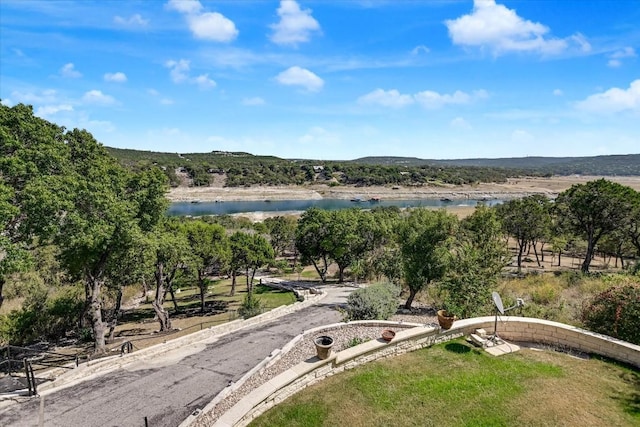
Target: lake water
[[226, 208]]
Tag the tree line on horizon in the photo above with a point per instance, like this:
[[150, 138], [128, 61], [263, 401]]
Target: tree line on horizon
[[77, 227]]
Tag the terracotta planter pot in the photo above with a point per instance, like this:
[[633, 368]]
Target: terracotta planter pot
[[445, 319], [388, 335], [323, 346]]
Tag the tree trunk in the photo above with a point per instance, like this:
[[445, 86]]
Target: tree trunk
[[173, 298], [587, 260], [233, 283], [116, 313], [201, 285], [341, 273], [412, 295], [535, 251], [542, 251], [322, 274], [94, 314], [559, 256], [521, 249], [161, 312]]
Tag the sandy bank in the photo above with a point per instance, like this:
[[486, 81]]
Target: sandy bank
[[513, 188]]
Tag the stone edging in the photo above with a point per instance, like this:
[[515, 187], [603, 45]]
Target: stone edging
[[513, 328], [92, 369]]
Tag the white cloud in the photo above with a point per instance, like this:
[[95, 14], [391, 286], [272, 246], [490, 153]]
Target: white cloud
[[613, 100], [459, 123], [256, 100], [179, 73], [296, 76], [133, 21], [117, 77], [615, 57], [47, 96], [421, 48], [212, 26], [387, 98], [6, 101], [204, 82], [185, 6], [49, 110], [178, 70], [558, 92], [428, 98], [581, 41], [501, 30], [97, 97], [205, 25], [295, 26], [166, 101], [69, 71], [627, 52]]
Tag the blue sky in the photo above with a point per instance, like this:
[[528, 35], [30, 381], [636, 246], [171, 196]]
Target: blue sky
[[332, 79]]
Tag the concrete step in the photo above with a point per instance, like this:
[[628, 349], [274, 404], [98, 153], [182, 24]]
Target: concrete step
[[478, 340]]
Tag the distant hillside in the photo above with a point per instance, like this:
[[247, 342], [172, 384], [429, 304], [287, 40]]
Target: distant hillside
[[244, 169], [628, 164]]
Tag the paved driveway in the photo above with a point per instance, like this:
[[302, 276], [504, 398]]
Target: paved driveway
[[171, 387]]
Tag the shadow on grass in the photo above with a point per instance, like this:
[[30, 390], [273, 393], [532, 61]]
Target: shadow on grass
[[458, 348], [631, 402]]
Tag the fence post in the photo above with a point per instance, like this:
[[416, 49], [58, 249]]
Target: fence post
[[26, 372]]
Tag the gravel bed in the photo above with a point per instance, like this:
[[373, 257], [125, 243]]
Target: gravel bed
[[344, 337]]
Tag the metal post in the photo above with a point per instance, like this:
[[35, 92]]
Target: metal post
[[146, 422]]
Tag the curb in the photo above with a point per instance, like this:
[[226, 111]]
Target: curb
[[92, 369]]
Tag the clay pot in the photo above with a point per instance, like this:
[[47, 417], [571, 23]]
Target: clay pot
[[388, 335], [323, 346], [445, 319]]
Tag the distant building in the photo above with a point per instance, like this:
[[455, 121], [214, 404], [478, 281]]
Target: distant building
[[318, 169]]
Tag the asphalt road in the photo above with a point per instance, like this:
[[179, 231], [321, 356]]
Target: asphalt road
[[168, 389]]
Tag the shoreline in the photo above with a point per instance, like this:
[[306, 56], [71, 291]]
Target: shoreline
[[513, 188]]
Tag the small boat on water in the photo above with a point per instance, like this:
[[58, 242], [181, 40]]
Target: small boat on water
[[356, 199], [195, 201], [374, 199], [446, 199]]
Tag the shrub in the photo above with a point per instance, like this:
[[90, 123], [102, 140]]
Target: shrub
[[251, 306], [378, 301], [615, 312], [41, 317]]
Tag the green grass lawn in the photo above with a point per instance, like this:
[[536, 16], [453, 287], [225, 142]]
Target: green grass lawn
[[455, 384]]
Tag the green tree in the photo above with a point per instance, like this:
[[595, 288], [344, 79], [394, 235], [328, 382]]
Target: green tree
[[425, 239], [526, 219], [478, 257], [210, 246], [282, 230], [170, 253], [70, 191], [593, 210], [313, 229]]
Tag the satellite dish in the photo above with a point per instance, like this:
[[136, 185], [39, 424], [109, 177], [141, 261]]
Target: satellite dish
[[498, 302]]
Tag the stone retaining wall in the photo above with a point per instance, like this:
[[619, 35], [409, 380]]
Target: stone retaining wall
[[512, 328]]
